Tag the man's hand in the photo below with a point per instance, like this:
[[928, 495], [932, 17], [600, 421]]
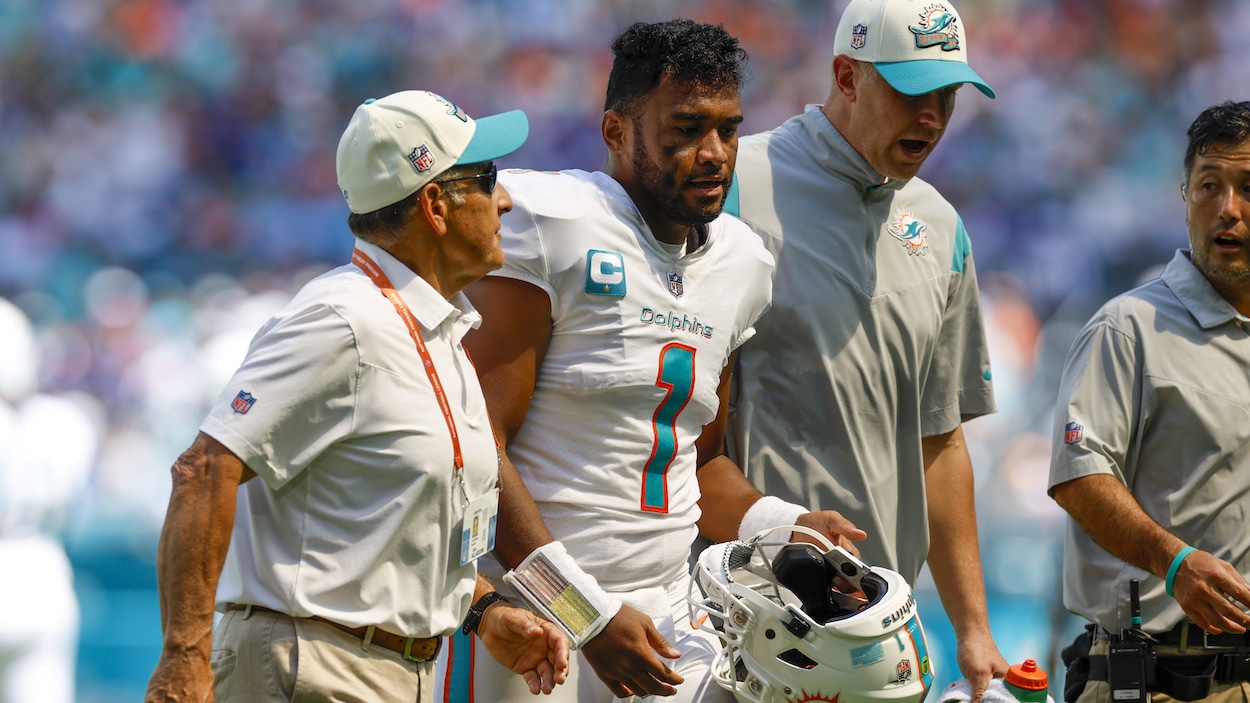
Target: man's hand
[[831, 524], [623, 656], [980, 662], [180, 677], [1208, 590], [526, 643]]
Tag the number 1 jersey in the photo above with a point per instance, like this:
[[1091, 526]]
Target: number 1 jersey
[[639, 341]]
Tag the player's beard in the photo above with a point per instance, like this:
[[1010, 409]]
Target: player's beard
[[661, 188]]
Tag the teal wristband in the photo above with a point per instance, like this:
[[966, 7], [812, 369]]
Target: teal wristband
[[1176, 566]]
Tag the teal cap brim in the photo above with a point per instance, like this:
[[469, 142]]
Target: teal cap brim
[[925, 76], [496, 136]]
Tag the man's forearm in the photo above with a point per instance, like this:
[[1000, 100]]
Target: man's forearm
[[1105, 509], [521, 527], [954, 548], [725, 495], [194, 540]]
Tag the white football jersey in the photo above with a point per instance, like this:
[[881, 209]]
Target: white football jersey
[[639, 340]]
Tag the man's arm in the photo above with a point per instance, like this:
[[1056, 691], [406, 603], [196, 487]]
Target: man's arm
[[1105, 509], [520, 640], [189, 557], [508, 351], [955, 557], [725, 494]]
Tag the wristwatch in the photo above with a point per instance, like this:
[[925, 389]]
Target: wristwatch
[[478, 609]]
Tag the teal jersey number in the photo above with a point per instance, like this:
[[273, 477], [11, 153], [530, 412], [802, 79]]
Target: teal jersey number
[[676, 377]]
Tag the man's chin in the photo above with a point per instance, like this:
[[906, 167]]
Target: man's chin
[[705, 212]]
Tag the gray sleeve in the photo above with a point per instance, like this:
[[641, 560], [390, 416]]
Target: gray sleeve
[[959, 385], [1098, 406]]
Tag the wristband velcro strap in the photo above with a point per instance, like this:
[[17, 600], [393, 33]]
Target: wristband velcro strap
[[766, 513], [553, 584], [1176, 566]]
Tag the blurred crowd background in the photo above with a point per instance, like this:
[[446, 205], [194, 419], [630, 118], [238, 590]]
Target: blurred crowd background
[[167, 181]]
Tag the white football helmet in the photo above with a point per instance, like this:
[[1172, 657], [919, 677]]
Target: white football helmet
[[797, 623]]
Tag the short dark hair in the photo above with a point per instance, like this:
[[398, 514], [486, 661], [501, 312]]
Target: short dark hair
[[688, 51], [1225, 124], [386, 224]]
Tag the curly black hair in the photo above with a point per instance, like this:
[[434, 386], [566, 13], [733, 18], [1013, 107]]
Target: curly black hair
[[1226, 124], [688, 51]]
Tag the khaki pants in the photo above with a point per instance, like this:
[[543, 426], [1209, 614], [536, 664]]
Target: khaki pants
[[1100, 691], [274, 657]]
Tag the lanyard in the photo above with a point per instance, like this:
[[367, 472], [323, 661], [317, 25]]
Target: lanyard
[[374, 272]]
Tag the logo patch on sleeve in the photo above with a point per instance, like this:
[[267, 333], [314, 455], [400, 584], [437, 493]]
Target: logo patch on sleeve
[[1073, 433], [605, 273], [243, 402]]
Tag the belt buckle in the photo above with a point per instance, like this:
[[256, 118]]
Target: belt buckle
[[408, 656]]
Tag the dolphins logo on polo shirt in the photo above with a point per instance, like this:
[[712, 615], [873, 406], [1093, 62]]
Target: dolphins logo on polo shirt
[[910, 231]]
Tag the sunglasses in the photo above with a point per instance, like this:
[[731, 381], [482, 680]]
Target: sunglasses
[[491, 176]]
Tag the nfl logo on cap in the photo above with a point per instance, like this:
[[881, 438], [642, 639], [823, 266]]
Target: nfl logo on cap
[[1072, 433], [859, 35], [243, 402], [422, 158]]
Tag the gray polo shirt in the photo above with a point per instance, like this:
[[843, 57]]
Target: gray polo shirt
[[874, 339], [1156, 392]]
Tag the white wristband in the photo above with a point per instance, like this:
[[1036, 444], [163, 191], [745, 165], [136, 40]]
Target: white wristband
[[768, 512], [552, 583]]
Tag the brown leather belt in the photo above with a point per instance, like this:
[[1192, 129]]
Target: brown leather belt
[[417, 649]]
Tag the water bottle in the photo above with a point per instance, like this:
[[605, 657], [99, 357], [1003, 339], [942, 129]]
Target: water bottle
[[1026, 682]]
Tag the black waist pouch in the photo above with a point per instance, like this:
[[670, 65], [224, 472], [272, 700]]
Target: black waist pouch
[[1076, 658]]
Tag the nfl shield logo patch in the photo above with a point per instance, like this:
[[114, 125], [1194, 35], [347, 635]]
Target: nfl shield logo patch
[[674, 284], [1073, 433], [903, 670], [859, 36], [421, 158], [243, 402]]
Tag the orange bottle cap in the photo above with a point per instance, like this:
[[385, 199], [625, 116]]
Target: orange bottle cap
[[1027, 676]]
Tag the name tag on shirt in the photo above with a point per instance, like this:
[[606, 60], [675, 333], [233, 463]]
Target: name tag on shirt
[[477, 533]]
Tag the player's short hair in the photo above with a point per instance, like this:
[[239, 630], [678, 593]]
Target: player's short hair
[[386, 224], [687, 51], [1225, 124]]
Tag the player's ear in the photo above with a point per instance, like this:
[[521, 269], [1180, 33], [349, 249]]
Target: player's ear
[[845, 78], [433, 208], [615, 128]]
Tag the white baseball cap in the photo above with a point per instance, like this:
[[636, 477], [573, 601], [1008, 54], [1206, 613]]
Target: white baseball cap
[[917, 45], [395, 145]]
